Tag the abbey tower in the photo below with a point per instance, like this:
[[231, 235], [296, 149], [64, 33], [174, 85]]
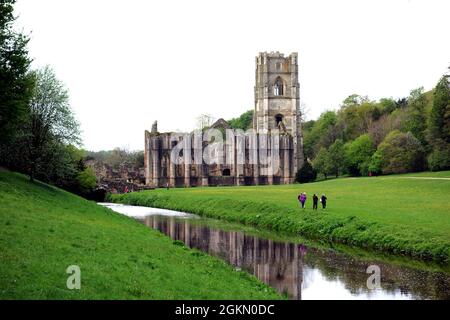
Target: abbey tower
[[277, 98]]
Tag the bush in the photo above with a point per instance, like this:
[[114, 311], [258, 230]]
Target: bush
[[306, 173], [375, 165], [358, 154], [439, 159], [401, 152], [86, 180]]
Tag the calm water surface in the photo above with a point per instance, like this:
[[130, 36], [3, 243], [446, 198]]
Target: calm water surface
[[300, 271]]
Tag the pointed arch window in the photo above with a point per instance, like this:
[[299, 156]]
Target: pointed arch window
[[278, 88], [278, 120]]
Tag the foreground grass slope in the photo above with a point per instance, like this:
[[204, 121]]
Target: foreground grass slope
[[43, 230], [402, 214]]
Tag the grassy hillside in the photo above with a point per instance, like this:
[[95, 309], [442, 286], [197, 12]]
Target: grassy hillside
[[402, 214], [43, 230]]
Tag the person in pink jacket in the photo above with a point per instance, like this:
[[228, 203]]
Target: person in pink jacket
[[302, 198]]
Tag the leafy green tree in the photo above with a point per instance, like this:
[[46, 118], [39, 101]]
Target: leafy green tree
[[15, 82], [439, 159], [439, 126], [322, 133], [354, 100], [356, 117], [321, 162], [387, 105], [51, 123], [358, 154], [244, 121], [416, 118], [86, 180], [401, 152], [376, 165], [336, 157]]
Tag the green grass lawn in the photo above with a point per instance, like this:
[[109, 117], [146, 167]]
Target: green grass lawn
[[43, 230], [403, 214]]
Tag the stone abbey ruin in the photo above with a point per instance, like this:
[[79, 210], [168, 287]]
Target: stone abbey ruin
[[270, 153]]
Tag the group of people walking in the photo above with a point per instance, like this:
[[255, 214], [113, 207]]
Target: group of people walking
[[302, 199]]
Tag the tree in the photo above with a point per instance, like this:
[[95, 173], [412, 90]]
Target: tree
[[16, 84], [440, 113], [401, 152], [86, 180], [357, 115], [322, 133], [51, 123], [306, 173], [244, 121], [354, 100], [439, 127], [387, 105], [416, 117], [358, 154], [321, 162], [336, 157], [439, 159], [375, 165]]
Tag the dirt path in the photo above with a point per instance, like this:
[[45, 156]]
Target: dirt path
[[426, 178]]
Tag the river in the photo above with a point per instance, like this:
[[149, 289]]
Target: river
[[293, 268]]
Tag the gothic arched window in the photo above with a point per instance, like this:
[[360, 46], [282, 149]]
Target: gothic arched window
[[278, 87], [278, 119]]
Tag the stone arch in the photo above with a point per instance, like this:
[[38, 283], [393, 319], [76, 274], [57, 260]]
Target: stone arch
[[278, 87], [278, 119]]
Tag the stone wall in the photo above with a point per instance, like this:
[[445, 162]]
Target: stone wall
[[120, 179], [233, 163]]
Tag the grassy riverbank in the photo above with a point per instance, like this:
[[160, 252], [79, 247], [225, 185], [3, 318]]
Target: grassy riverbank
[[43, 230], [401, 214]]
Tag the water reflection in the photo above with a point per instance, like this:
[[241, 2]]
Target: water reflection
[[301, 272]]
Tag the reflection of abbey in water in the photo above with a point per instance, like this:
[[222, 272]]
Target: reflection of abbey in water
[[277, 264], [277, 108], [287, 268]]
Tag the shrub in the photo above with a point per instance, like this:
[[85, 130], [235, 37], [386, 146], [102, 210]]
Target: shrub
[[306, 173], [87, 180], [439, 159], [358, 154], [401, 152], [375, 165]]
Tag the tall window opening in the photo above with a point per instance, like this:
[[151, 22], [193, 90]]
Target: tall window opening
[[278, 120], [278, 87]]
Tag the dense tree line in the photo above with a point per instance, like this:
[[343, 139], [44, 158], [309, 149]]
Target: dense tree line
[[117, 157], [39, 134], [366, 137]]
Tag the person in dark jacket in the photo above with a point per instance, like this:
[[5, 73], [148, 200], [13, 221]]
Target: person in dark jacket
[[323, 199], [315, 201]]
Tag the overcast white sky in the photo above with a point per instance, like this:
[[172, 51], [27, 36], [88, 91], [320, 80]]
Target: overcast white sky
[[128, 63]]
